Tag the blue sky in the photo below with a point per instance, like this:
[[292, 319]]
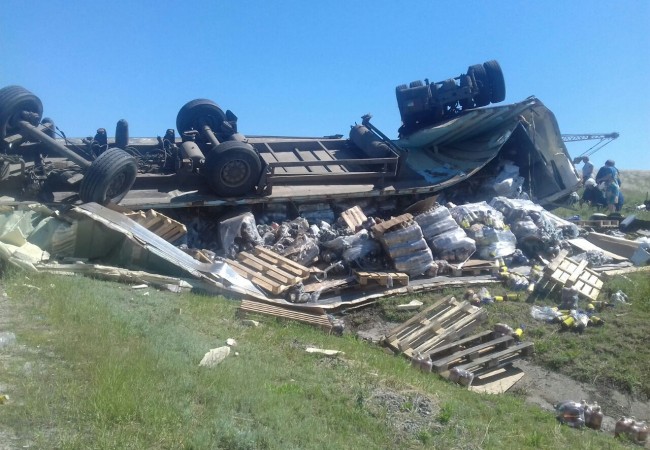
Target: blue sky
[[313, 68]]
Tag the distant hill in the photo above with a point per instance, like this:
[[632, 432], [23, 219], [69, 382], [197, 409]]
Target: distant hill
[[635, 180]]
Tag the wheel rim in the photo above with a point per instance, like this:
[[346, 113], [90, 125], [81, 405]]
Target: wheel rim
[[117, 185], [235, 172]]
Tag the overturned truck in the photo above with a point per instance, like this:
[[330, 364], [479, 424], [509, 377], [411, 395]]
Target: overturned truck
[[449, 137]]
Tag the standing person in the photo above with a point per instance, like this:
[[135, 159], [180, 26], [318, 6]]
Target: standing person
[[617, 177], [612, 193], [607, 169], [587, 169]]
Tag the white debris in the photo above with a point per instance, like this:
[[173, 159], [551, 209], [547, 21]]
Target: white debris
[[413, 304], [323, 351], [215, 356], [250, 323], [230, 342]]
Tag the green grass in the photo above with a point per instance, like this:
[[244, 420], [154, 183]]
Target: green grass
[[99, 365], [635, 193]]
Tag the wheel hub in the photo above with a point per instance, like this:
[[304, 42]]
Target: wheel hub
[[235, 172], [116, 186]]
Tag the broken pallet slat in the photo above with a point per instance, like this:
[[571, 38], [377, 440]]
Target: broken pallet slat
[[383, 278], [385, 226], [353, 217], [318, 319]]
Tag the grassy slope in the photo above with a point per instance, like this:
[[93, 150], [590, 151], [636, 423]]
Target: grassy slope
[[102, 366]]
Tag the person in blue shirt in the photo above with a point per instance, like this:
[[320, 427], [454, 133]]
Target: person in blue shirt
[[610, 170]]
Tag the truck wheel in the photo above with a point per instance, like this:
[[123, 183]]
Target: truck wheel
[[196, 112], [478, 74], [497, 83], [109, 177], [233, 168], [13, 101], [401, 87], [416, 83]]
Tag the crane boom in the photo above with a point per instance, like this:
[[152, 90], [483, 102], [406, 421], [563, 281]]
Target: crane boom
[[589, 137], [603, 139]]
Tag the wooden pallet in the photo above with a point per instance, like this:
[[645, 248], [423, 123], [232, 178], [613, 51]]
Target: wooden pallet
[[316, 318], [565, 272], [470, 353], [598, 223], [461, 344], [353, 217], [287, 264], [386, 225], [382, 278], [477, 268], [441, 323], [498, 358], [268, 270], [158, 223]]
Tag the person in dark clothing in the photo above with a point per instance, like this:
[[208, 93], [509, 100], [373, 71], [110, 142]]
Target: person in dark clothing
[[592, 195]]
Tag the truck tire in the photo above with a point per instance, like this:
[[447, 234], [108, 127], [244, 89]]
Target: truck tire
[[198, 111], [497, 82], [401, 87], [13, 101], [479, 75], [416, 83], [109, 177], [233, 168]]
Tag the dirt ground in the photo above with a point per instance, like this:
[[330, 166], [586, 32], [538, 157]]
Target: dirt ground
[[539, 386]]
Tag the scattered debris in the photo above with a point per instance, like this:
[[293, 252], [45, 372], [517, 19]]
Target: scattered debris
[[413, 304], [311, 316], [7, 338], [324, 352], [215, 356], [637, 431]]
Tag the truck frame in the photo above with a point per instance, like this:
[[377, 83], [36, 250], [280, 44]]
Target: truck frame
[[447, 137]]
